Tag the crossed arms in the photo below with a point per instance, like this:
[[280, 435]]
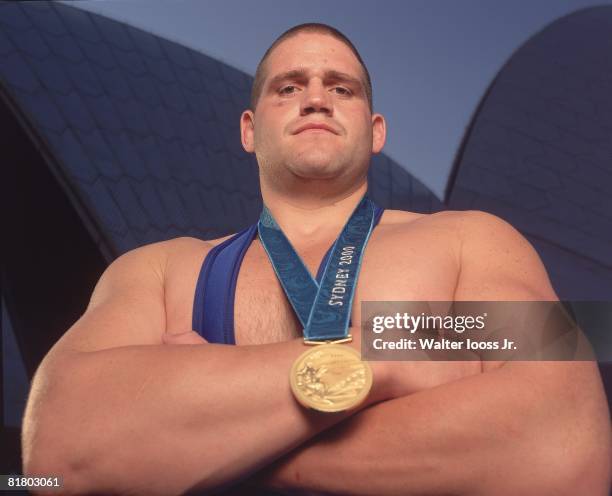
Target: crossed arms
[[114, 410]]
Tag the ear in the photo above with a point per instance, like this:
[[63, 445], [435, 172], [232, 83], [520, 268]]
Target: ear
[[379, 132], [247, 130]]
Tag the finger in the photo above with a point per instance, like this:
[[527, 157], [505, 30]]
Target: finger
[[189, 337]]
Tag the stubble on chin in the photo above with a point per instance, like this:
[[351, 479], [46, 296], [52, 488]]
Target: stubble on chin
[[314, 163]]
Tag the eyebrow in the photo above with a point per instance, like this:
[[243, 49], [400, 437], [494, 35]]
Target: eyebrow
[[302, 74]]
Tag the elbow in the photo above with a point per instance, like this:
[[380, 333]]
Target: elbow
[[590, 474], [50, 443], [580, 442], [589, 454], [79, 470], [569, 476], [45, 453], [52, 466], [579, 469]]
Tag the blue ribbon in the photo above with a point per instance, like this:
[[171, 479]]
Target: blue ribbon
[[323, 309]]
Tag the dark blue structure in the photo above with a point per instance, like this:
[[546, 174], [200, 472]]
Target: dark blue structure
[[538, 152]]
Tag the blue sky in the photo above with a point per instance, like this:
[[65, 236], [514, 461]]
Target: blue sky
[[430, 61]]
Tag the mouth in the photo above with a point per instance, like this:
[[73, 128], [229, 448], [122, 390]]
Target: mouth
[[315, 128]]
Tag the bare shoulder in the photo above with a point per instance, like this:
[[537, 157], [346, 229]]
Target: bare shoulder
[[481, 235], [158, 255], [184, 255], [493, 258], [142, 266], [399, 218], [403, 216], [155, 262], [460, 222], [185, 245], [187, 250], [444, 225], [498, 262], [486, 236], [478, 221]]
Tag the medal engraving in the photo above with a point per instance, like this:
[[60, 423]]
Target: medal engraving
[[330, 378]]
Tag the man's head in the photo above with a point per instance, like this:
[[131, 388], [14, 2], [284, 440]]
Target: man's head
[[260, 72], [311, 119]]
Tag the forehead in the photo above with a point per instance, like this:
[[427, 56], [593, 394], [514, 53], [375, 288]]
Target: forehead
[[313, 51]]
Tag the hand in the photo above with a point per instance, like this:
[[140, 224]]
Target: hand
[[394, 379]]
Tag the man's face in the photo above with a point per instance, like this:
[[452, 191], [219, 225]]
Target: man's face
[[313, 118]]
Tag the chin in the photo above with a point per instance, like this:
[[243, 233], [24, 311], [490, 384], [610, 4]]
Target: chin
[[315, 163], [316, 170]]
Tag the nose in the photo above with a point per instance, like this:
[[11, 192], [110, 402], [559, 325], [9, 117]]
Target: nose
[[316, 98]]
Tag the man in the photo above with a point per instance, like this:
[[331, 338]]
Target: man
[[118, 406]]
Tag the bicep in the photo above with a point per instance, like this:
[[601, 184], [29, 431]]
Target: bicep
[[126, 308], [498, 263]]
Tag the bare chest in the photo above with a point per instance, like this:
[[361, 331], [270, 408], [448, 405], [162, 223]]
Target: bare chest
[[418, 266], [263, 314]]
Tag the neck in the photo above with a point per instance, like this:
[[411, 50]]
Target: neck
[[313, 218]]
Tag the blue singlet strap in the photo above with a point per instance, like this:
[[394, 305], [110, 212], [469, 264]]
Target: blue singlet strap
[[213, 310]]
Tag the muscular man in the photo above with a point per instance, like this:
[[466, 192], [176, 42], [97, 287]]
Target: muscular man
[[118, 406]]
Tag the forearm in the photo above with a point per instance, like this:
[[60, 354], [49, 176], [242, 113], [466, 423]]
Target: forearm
[[503, 432], [159, 419]]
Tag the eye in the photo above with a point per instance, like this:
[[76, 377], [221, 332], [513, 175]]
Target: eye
[[341, 90], [287, 90]]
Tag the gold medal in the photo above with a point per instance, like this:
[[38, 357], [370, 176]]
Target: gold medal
[[330, 378]]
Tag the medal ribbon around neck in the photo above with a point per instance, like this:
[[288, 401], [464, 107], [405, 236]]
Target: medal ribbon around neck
[[323, 309]]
